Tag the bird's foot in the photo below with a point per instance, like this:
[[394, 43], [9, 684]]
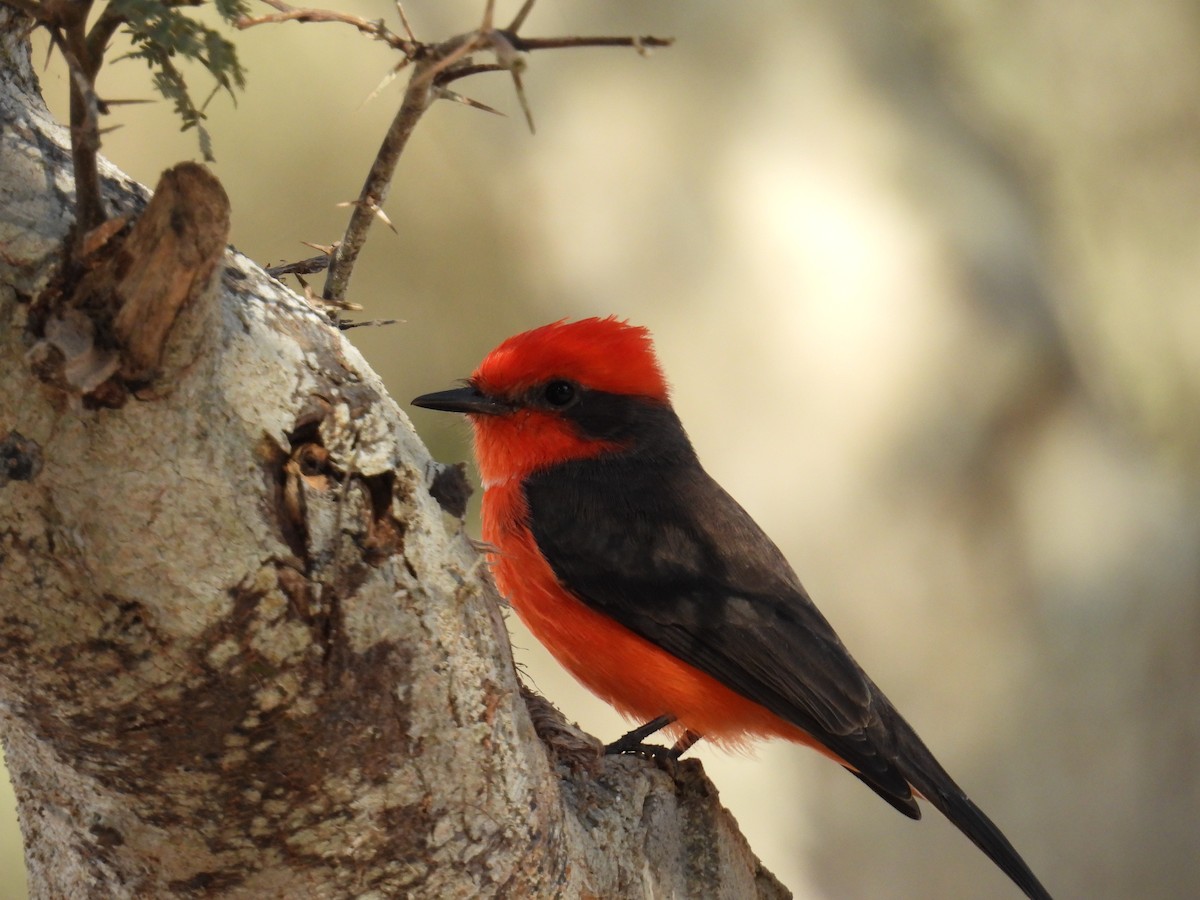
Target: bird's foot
[[665, 758], [632, 742]]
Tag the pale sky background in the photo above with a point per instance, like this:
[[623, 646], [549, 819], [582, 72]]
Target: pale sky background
[[924, 278]]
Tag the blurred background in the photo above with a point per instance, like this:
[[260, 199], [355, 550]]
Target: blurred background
[[925, 276]]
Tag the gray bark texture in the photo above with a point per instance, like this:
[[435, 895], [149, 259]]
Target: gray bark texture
[[243, 651]]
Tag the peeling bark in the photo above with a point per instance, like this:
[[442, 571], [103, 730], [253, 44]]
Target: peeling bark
[[242, 654]]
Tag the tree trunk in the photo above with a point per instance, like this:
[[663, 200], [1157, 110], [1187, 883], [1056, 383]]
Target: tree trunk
[[243, 651]]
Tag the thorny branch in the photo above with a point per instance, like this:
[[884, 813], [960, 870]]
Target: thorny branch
[[83, 52], [435, 66], [409, 46], [158, 34]]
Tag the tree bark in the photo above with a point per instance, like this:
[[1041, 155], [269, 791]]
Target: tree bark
[[243, 651]]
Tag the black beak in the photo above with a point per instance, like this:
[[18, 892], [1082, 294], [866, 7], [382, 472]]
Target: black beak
[[462, 400]]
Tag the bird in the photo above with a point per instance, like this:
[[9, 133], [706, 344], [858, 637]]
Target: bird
[[654, 588]]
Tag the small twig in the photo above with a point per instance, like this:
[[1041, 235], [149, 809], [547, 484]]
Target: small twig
[[375, 28], [131, 101], [84, 53], [527, 45], [102, 32], [309, 266], [417, 99], [85, 143], [345, 325], [467, 71], [422, 91], [435, 67]]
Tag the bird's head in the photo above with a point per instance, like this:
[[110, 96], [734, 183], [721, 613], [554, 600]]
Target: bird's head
[[568, 390]]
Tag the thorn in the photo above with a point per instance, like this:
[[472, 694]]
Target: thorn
[[327, 249], [509, 57], [408, 32], [382, 217], [49, 47], [328, 305], [387, 79], [516, 75], [375, 211], [488, 11], [519, 18], [445, 93]]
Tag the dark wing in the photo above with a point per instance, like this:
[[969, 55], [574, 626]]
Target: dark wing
[[672, 557], [659, 546]]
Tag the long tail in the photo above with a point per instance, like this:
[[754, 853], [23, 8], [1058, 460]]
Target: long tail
[[926, 775]]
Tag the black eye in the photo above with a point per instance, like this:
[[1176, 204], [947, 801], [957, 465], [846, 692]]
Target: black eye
[[559, 393]]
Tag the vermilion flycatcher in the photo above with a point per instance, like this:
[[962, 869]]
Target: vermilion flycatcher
[[653, 587]]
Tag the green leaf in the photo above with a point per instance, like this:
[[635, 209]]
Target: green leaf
[[162, 33]]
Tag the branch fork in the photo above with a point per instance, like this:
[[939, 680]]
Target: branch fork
[[435, 67]]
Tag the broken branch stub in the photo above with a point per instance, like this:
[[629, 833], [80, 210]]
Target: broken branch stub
[[104, 333], [171, 253]]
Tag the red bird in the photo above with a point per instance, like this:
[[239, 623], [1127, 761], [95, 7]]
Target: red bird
[[654, 588]]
